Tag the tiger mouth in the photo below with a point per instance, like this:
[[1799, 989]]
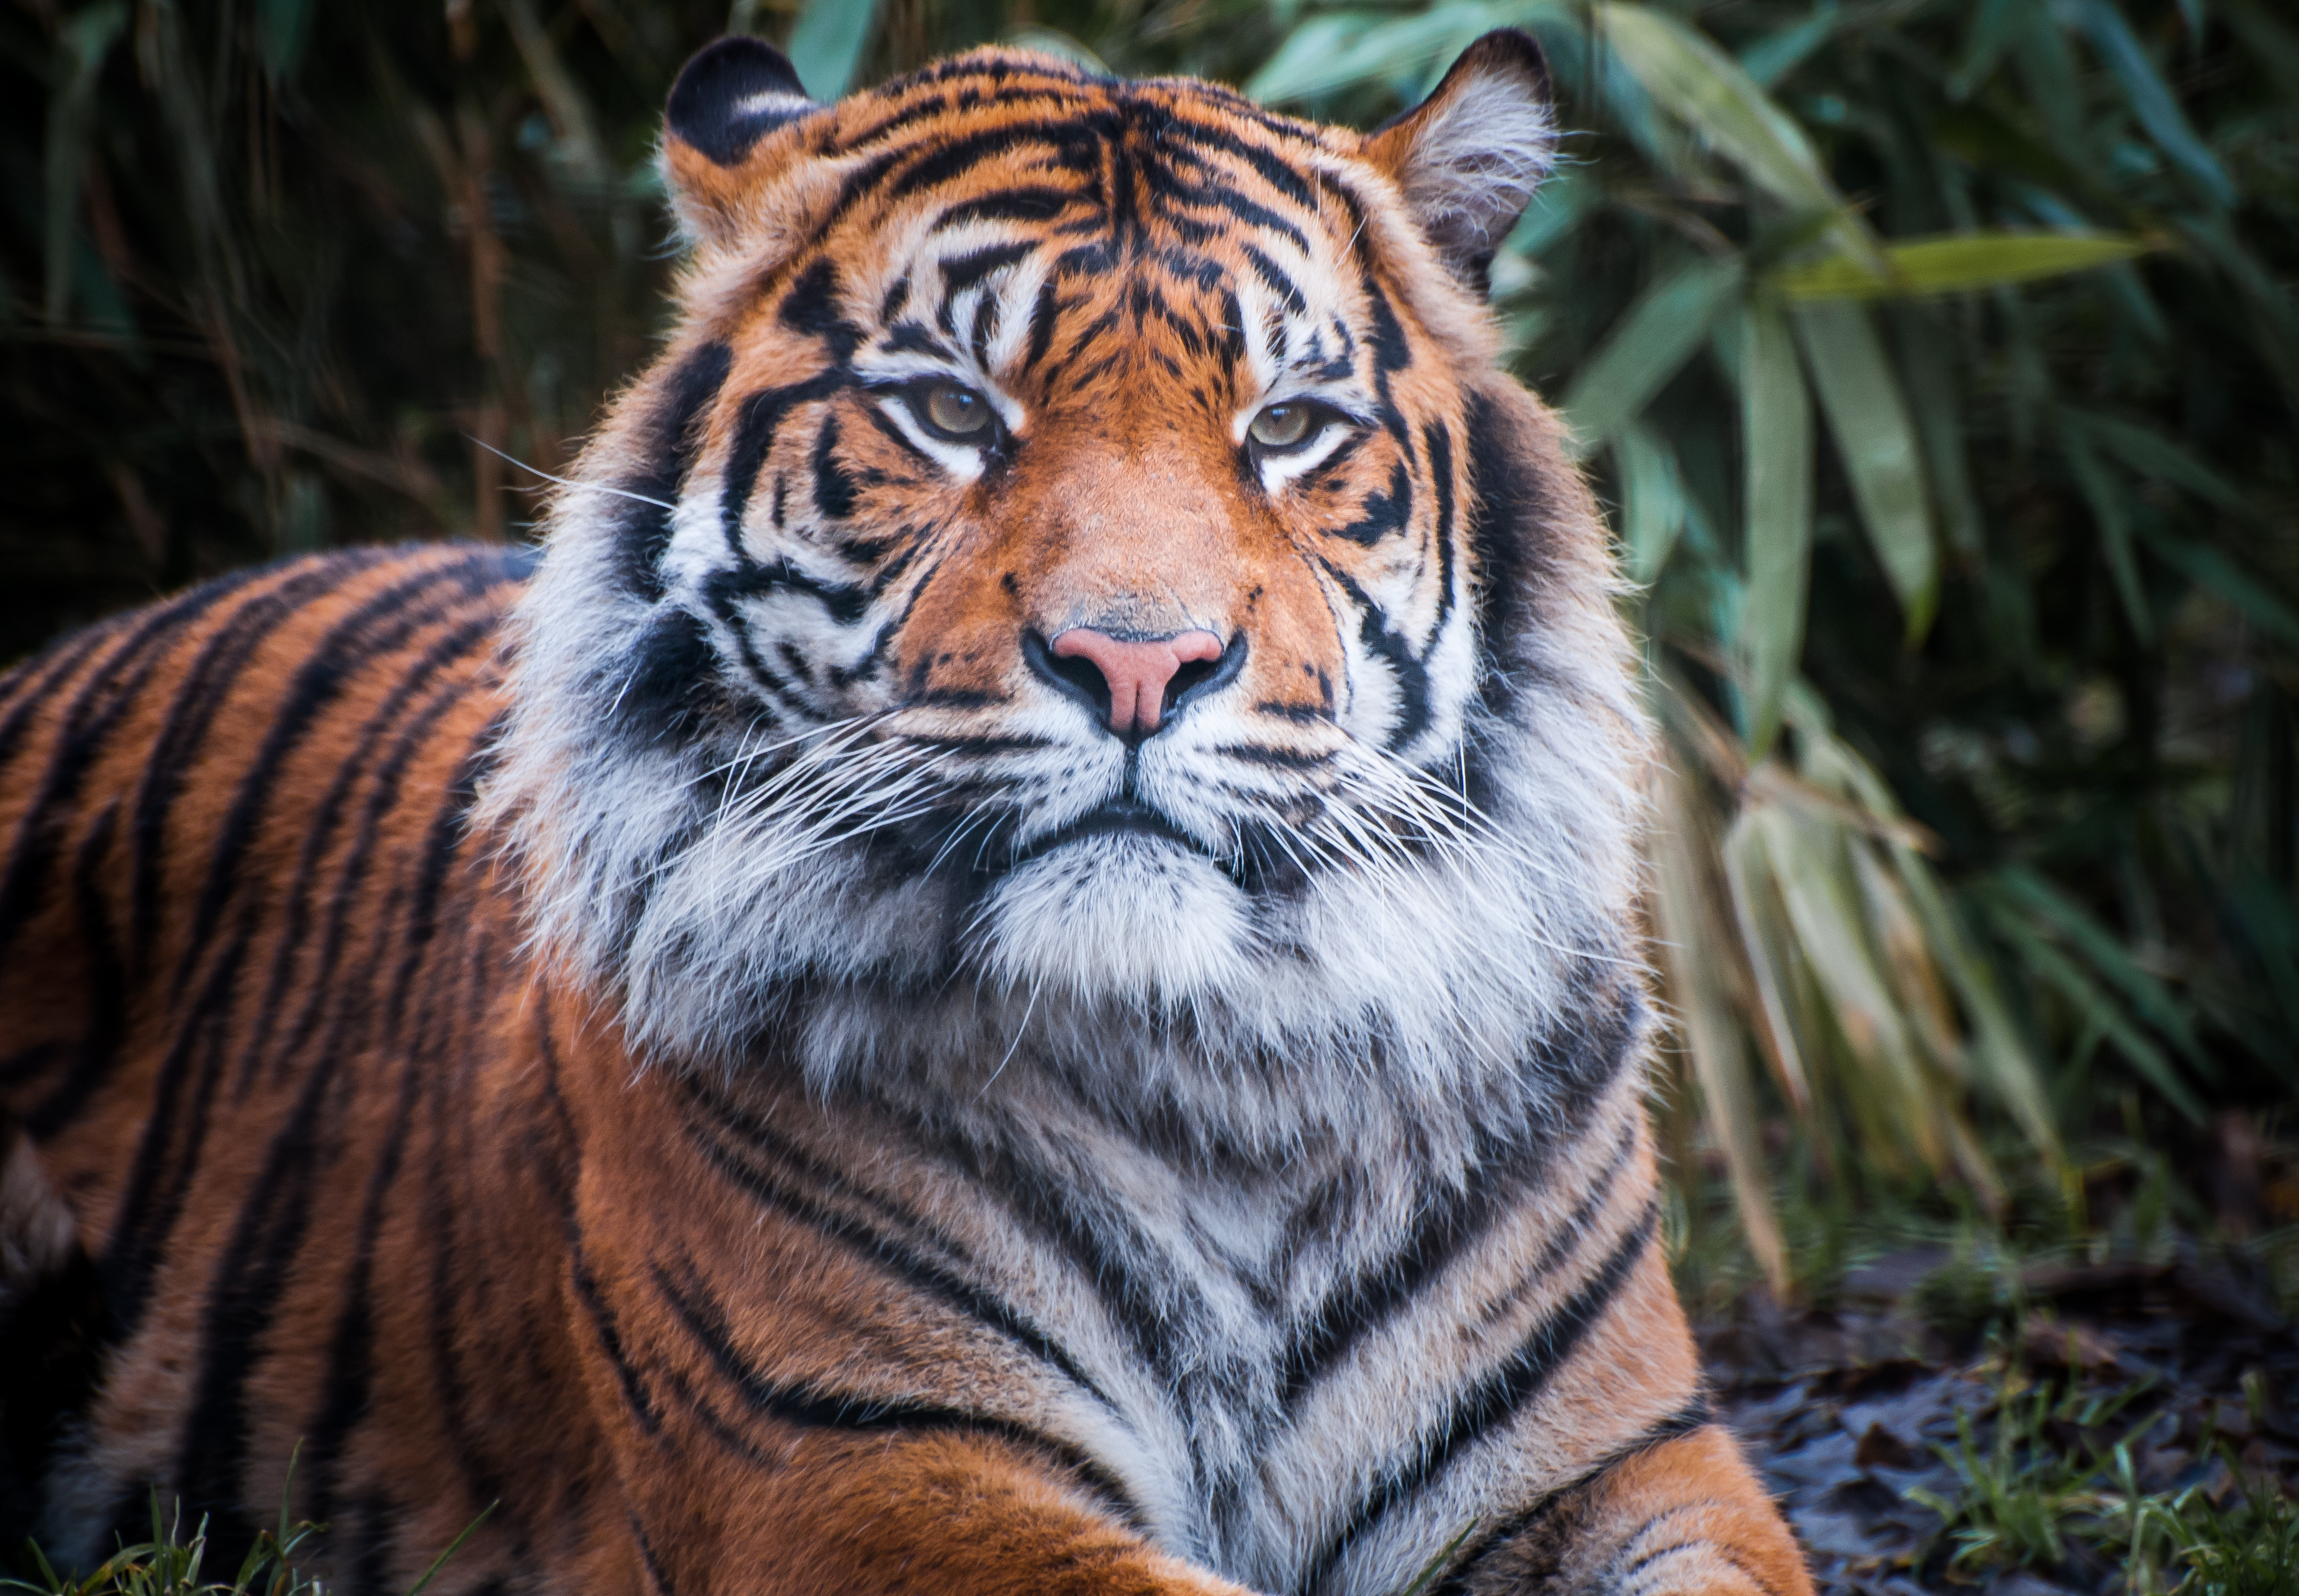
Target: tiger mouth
[[1120, 816]]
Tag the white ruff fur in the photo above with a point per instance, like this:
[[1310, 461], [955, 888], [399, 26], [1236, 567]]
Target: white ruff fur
[[1419, 979]]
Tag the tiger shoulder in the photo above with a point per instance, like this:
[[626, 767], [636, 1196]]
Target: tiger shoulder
[[1010, 964]]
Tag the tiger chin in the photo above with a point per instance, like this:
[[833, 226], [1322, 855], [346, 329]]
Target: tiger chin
[[1010, 965]]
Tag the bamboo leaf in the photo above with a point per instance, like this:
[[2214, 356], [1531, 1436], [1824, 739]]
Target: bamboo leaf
[[1876, 439], [2098, 1010], [1748, 874], [1685, 70], [1688, 931], [1776, 434], [2108, 956], [1341, 49], [1652, 340], [82, 43], [2209, 567], [2152, 100], [1777, 54], [1054, 42], [827, 43], [1304, 65], [1924, 356], [1992, 32], [1812, 870], [1998, 1050], [2107, 509], [2151, 454], [1958, 264], [283, 28], [1652, 500]]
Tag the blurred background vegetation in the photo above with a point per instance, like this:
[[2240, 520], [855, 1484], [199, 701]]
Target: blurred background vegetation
[[1939, 360]]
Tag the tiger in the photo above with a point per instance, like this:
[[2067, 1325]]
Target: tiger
[[1009, 962]]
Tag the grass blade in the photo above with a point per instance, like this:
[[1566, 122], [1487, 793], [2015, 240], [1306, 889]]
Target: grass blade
[[453, 1547]]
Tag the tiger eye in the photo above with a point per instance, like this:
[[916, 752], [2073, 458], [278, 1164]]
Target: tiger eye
[[1280, 426], [959, 412]]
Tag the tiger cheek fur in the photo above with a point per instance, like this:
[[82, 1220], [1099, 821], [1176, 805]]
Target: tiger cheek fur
[[1011, 967]]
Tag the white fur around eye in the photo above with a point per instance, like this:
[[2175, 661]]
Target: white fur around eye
[[961, 460], [1277, 470]]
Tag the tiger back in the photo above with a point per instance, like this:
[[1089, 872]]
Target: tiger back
[[1010, 965]]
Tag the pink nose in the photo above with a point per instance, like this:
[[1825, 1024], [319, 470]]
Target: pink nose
[[1136, 673]]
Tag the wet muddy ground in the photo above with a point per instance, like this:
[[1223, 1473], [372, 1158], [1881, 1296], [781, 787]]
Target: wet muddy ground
[[2004, 1397]]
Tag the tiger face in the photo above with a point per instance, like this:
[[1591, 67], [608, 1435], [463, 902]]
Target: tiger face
[[1079, 585]]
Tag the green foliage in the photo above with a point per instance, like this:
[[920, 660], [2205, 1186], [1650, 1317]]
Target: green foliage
[[174, 1564], [2042, 1486], [1940, 357]]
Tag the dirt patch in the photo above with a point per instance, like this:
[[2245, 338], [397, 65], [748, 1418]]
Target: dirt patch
[[1944, 1428]]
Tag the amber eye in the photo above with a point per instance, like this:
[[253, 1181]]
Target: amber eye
[[953, 411], [1281, 426]]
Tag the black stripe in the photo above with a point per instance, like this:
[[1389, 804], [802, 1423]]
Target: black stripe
[[190, 1071], [87, 722], [337, 662], [1382, 513], [756, 423], [1104, 1245], [671, 441], [834, 490], [319, 830], [1437, 441], [656, 1573], [1695, 1415], [1506, 532], [925, 1274], [1494, 1401], [1025, 202], [1376, 637], [275, 1217], [209, 679], [27, 687], [962, 272], [1274, 278], [803, 1407], [1451, 1224]]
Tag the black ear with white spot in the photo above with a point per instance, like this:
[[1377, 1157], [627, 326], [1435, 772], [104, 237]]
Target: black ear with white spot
[[733, 94], [1469, 156]]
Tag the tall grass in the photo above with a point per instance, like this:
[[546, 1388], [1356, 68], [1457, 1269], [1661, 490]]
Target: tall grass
[[1939, 359]]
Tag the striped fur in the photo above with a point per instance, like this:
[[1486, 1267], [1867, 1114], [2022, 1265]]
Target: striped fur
[[710, 1043]]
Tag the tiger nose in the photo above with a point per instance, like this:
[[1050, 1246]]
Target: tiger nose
[[1135, 675]]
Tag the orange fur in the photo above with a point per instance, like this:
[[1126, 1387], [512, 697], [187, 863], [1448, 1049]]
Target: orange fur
[[353, 1133]]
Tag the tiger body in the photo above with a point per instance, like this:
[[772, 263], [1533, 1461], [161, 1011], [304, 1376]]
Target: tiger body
[[1010, 968]]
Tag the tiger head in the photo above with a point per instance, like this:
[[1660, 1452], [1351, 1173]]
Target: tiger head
[[1080, 586]]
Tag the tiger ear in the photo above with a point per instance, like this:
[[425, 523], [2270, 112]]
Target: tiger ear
[[733, 94], [1469, 156]]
